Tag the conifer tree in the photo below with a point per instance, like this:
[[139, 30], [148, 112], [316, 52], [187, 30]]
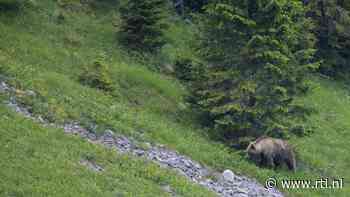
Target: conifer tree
[[143, 25], [259, 53], [332, 19], [195, 5]]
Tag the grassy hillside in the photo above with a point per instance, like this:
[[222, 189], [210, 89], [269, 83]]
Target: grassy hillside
[[326, 152], [45, 48], [39, 161]]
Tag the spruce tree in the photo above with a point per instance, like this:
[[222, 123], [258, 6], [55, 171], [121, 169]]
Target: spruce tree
[[259, 53], [332, 19], [143, 25], [195, 5]]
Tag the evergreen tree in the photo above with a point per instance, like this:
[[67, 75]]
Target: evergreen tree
[[332, 19], [183, 6], [258, 54], [195, 5], [143, 25], [11, 4]]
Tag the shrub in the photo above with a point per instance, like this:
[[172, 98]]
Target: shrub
[[97, 76]]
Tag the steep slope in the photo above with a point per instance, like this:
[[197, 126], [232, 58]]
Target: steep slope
[[326, 152], [38, 161], [44, 48], [226, 185]]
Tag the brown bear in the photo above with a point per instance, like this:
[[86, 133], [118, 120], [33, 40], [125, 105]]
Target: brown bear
[[271, 152]]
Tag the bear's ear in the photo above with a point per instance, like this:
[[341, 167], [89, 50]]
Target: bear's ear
[[253, 147]]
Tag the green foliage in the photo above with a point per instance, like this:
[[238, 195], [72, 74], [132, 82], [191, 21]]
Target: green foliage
[[69, 3], [97, 76], [188, 69], [259, 54], [11, 4], [332, 19], [185, 6], [196, 5], [143, 26]]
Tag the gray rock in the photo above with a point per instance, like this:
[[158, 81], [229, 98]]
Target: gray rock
[[168, 189], [108, 140], [92, 136], [228, 176], [139, 152], [91, 165], [4, 87], [30, 93], [109, 133], [241, 190], [41, 120]]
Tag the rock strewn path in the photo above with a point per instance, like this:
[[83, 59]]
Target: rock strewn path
[[227, 186]]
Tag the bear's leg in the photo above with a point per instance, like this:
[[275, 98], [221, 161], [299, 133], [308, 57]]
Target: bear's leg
[[277, 162], [290, 164], [269, 161]]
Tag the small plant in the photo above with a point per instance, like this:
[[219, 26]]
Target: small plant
[[97, 76]]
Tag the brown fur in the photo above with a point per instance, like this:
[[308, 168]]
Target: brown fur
[[271, 152]]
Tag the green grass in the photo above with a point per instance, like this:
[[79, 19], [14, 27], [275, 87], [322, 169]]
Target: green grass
[[326, 151], [37, 161], [39, 53]]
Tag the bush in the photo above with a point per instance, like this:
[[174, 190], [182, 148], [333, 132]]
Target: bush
[[97, 76]]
